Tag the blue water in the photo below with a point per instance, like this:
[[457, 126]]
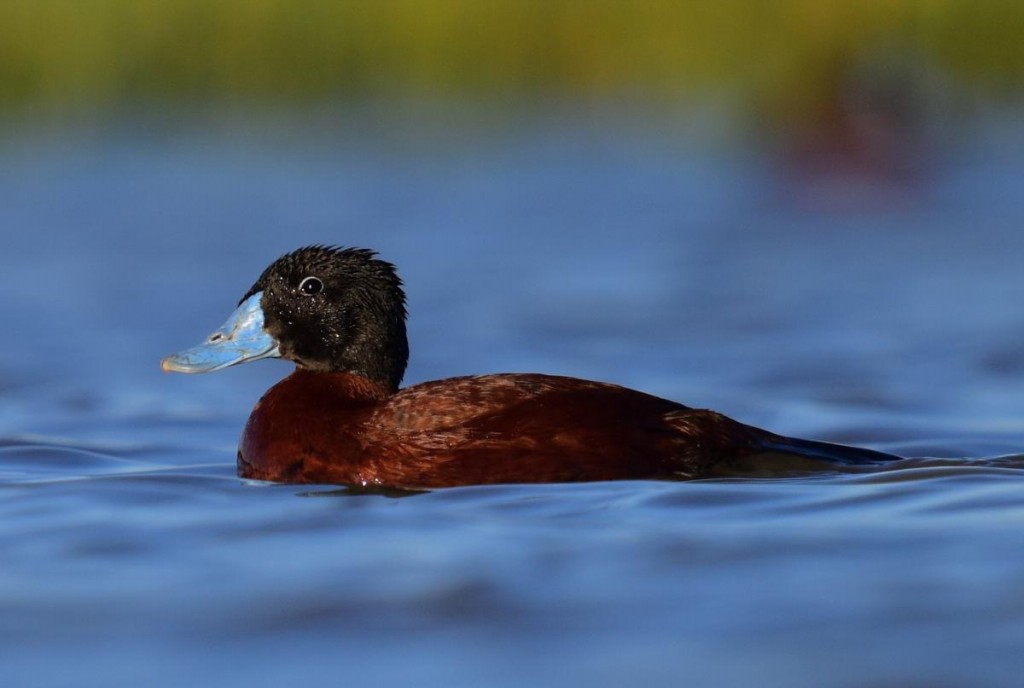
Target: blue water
[[663, 259]]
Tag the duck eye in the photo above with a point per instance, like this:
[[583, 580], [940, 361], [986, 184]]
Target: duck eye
[[311, 285]]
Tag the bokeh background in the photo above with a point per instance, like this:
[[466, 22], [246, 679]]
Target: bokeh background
[[196, 140], [68, 57], [804, 214]]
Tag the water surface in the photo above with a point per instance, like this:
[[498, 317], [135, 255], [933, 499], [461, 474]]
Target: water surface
[[133, 555]]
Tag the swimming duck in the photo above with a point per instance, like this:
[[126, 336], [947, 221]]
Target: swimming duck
[[341, 418]]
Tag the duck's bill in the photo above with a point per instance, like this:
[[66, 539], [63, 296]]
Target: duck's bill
[[240, 339]]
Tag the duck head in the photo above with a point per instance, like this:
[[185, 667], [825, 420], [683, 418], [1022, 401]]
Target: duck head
[[328, 309]]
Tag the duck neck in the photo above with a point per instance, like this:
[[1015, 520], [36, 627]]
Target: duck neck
[[327, 386], [378, 353]]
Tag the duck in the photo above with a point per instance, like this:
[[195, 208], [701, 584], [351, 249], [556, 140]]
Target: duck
[[342, 418]]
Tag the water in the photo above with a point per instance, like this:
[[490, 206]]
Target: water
[[132, 555]]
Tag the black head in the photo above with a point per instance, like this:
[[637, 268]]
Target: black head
[[336, 309]]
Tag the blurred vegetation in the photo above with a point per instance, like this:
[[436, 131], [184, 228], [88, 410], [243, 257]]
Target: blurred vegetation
[[75, 54]]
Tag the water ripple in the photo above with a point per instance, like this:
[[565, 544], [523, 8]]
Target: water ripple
[[24, 462]]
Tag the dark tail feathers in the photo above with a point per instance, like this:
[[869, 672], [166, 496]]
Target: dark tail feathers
[[826, 451]]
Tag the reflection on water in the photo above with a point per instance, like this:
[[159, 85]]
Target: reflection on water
[[134, 554]]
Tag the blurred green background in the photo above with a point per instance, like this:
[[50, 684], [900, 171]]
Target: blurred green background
[[79, 56]]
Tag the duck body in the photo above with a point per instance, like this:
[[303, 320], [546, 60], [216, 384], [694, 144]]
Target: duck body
[[506, 428], [340, 417]]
